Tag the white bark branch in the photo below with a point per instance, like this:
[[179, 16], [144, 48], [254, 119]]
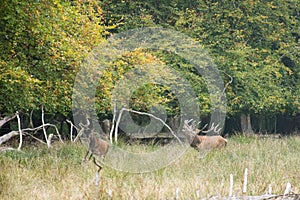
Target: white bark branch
[[78, 135], [142, 113], [117, 125], [20, 131], [44, 129], [230, 185], [45, 125], [71, 129], [7, 136], [79, 131], [245, 181], [31, 135], [229, 82], [24, 131], [113, 124], [7, 119]]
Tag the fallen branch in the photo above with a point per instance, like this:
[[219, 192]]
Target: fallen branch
[[3, 149], [31, 135], [7, 136], [11, 134], [142, 113], [25, 131], [42, 127], [7, 119]]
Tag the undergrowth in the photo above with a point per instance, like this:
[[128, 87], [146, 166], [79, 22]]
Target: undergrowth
[[57, 173]]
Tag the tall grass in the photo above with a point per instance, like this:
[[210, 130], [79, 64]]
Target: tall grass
[[57, 173]]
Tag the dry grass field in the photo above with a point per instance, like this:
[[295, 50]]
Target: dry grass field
[[57, 173]]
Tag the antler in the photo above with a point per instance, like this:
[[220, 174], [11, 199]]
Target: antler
[[213, 128], [85, 125], [193, 127]]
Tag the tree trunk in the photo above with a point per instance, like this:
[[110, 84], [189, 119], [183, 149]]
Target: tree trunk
[[246, 124]]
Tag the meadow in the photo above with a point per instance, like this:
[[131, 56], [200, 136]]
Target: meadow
[[57, 173]]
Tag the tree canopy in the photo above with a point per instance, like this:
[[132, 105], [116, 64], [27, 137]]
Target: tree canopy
[[43, 44]]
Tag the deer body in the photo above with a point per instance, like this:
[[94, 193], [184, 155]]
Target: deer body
[[203, 142], [209, 142], [97, 147]]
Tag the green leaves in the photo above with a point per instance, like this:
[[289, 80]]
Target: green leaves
[[42, 46]]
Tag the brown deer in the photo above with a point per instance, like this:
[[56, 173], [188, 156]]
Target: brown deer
[[203, 142], [97, 148]]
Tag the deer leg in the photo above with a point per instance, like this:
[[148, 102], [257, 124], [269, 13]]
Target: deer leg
[[90, 156], [97, 164], [86, 155]]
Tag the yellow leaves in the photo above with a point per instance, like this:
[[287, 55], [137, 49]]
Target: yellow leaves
[[139, 57], [264, 51], [122, 69], [236, 100], [277, 74], [111, 27]]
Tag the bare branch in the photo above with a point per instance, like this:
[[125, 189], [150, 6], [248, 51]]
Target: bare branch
[[143, 113], [7, 136], [117, 124], [20, 131], [7, 119], [82, 127], [113, 124], [79, 130], [41, 127], [44, 129], [25, 131], [71, 129], [49, 140], [229, 82], [3, 149], [31, 135]]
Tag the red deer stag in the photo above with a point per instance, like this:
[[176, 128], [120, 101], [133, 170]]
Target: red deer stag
[[203, 142], [97, 147]]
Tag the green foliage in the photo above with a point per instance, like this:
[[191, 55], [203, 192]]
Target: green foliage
[[254, 42], [133, 69], [42, 45], [249, 41]]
